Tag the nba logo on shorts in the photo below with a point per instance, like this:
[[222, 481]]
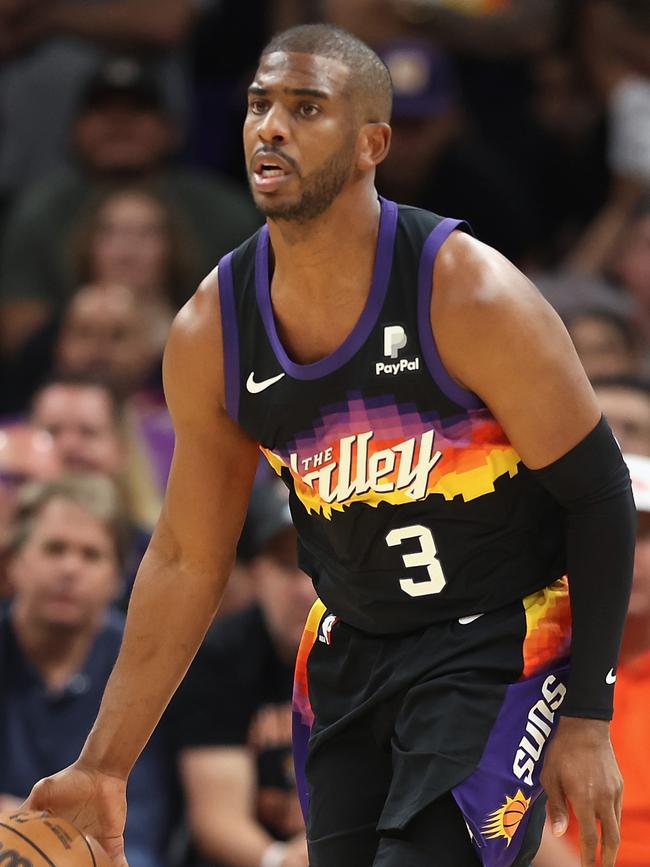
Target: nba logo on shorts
[[326, 627], [394, 340]]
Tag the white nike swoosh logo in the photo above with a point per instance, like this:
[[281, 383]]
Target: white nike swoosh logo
[[610, 677], [469, 619], [256, 387]]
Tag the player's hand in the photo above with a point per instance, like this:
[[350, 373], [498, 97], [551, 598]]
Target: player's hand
[[296, 854], [94, 802], [580, 769]]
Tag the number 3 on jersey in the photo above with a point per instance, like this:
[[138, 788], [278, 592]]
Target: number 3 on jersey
[[426, 556]]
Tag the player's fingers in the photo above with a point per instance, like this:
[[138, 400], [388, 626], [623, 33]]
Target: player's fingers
[[618, 806], [588, 836], [611, 837], [557, 806]]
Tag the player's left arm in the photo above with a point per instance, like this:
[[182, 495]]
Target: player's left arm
[[499, 338]]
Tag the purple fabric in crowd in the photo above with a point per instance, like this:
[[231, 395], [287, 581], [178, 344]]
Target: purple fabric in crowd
[[158, 433], [496, 799]]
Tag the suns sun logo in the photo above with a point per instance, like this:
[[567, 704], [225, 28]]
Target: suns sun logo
[[505, 821]]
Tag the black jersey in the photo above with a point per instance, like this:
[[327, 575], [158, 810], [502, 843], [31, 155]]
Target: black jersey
[[410, 503]]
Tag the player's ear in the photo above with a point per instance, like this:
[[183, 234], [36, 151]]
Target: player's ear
[[374, 143]]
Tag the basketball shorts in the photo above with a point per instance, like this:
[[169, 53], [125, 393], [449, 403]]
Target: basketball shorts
[[448, 724]]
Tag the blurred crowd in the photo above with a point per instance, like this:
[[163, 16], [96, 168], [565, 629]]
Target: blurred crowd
[[121, 185]]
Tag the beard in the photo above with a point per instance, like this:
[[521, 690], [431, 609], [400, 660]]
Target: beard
[[318, 189]]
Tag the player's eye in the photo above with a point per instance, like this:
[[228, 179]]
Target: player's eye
[[308, 109], [257, 106]]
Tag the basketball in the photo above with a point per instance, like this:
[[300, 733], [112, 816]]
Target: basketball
[[38, 839]]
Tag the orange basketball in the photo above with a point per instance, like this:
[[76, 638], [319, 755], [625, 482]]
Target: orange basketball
[[36, 839]]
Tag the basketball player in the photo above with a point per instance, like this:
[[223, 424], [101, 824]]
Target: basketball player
[[447, 464]]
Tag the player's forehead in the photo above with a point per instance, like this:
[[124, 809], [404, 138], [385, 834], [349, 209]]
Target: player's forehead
[[288, 71]]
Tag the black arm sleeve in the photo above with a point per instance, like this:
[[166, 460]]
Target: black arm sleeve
[[592, 484]]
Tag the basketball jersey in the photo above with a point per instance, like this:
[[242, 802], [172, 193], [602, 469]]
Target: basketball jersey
[[410, 503]]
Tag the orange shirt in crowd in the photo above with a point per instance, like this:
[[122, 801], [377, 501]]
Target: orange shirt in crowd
[[630, 732]]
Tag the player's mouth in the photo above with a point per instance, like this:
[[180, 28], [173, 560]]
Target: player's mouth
[[269, 173]]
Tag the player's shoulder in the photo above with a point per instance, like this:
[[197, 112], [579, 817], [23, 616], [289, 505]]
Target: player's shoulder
[[476, 277], [193, 358], [200, 315], [482, 305]]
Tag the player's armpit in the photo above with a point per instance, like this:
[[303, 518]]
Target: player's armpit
[[499, 338]]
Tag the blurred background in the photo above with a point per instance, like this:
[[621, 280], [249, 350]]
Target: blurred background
[[121, 185]]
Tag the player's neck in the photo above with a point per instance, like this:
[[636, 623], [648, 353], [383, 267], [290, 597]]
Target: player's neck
[[313, 256]]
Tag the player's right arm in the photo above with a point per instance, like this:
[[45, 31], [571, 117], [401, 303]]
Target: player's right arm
[[180, 581]]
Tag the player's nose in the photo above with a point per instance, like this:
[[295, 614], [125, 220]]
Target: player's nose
[[274, 126]]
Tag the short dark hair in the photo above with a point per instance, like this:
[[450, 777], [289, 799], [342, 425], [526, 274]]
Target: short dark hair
[[369, 78], [96, 495], [85, 380]]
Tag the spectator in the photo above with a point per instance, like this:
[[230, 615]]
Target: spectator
[[232, 715], [495, 46], [600, 321], [83, 419], [121, 131], [606, 342], [435, 160], [630, 263], [483, 28], [626, 403], [85, 422], [58, 644], [26, 454], [616, 46], [631, 723], [133, 238], [568, 150], [47, 49], [105, 333]]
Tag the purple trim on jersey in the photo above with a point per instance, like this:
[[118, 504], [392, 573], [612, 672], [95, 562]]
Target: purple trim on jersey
[[364, 325], [507, 771], [461, 396], [230, 336]]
